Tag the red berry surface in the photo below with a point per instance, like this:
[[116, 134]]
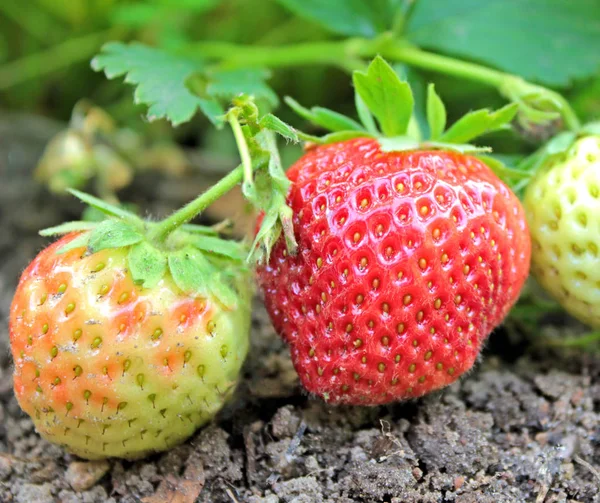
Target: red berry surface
[[406, 262], [106, 367]]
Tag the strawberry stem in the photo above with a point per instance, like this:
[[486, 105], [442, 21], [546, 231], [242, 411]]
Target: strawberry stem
[[242, 146], [182, 216], [349, 54]]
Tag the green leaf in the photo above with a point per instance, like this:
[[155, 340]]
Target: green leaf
[[146, 264], [436, 113], [112, 233], [502, 170], [108, 209], [334, 137], [328, 119], [66, 228], [398, 144], [79, 242], [140, 14], [479, 122], [195, 275], [462, 148], [365, 115], [549, 41], [225, 248], [365, 18], [389, 99], [160, 78], [275, 124]]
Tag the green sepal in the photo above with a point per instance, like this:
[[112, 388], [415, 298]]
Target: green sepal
[[113, 233], [389, 99], [461, 148], [268, 194], [365, 115], [80, 241], [147, 264], [502, 171], [195, 275], [404, 143], [398, 144], [216, 246], [555, 146], [436, 113], [479, 122], [201, 230], [67, 228], [327, 119], [275, 124], [335, 137], [108, 209]]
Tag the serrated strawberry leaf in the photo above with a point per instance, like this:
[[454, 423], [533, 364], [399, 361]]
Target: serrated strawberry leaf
[[147, 264], [195, 275], [389, 99], [327, 119], [113, 233], [224, 248], [479, 122], [160, 78], [436, 113], [67, 228]]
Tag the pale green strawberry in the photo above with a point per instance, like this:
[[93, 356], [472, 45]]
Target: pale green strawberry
[[563, 211], [124, 345]]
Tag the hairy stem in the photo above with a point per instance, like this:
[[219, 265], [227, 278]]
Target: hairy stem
[[339, 54], [195, 207]]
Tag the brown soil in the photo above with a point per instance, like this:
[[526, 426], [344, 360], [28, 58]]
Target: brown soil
[[524, 429]]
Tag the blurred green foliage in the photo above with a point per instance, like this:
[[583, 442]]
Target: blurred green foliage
[[46, 47]]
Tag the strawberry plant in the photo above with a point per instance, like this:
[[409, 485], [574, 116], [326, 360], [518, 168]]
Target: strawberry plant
[[386, 254]]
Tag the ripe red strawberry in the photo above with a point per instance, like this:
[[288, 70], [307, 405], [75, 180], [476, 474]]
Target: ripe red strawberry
[[114, 360], [406, 261]]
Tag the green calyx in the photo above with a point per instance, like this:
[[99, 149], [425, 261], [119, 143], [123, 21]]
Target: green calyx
[[265, 184], [557, 146], [196, 258], [385, 107]]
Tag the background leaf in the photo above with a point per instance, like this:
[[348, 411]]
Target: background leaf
[[364, 18], [160, 78], [549, 41]]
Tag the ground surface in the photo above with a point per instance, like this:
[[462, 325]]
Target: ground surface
[[515, 430]]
